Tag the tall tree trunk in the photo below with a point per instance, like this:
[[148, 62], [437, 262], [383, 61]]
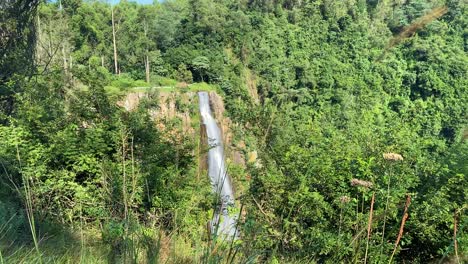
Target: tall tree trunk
[[64, 41], [147, 64], [115, 45], [38, 53], [65, 68], [50, 52], [147, 68], [70, 66]]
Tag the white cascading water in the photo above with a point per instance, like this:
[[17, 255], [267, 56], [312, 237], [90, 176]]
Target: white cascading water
[[225, 224]]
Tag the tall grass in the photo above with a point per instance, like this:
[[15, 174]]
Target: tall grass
[[139, 243], [391, 158], [28, 204], [369, 225]]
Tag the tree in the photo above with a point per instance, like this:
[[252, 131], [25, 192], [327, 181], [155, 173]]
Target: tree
[[201, 64], [183, 74], [114, 43], [17, 46]]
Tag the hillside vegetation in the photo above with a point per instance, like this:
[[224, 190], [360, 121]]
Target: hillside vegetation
[[351, 116]]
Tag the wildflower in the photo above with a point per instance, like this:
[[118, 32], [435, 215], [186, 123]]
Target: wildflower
[[392, 156], [345, 199], [357, 182]]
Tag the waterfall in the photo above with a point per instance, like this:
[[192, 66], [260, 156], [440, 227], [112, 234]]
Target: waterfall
[[217, 172]]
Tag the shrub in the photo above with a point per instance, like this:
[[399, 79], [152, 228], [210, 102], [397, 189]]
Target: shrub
[[163, 81]]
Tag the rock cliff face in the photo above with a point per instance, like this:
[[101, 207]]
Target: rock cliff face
[[131, 101], [217, 106], [233, 151], [176, 106], [179, 106], [171, 105]]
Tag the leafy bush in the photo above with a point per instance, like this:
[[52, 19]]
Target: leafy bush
[[140, 83], [123, 82], [162, 81], [112, 90], [196, 87]]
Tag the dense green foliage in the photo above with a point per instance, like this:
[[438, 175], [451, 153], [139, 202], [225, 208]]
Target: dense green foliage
[[320, 89]]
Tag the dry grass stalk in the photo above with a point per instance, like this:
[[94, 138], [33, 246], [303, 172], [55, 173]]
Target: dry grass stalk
[[261, 210], [357, 182], [392, 156], [369, 225], [455, 242], [418, 24], [403, 221], [345, 199], [415, 26]]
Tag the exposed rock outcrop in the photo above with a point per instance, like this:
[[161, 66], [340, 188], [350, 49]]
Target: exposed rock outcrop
[[171, 105], [233, 152], [175, 105], [131, 101]]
